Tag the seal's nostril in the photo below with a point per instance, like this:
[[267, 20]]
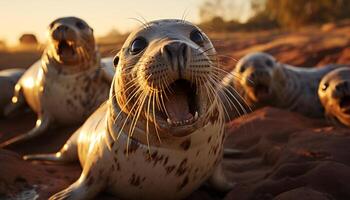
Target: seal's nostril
[[168, 52], [340, 86], [184, 51], [177, 54], [62, 28]]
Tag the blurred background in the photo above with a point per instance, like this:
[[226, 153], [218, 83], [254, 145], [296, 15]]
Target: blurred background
[[304, 33], [286, 156]]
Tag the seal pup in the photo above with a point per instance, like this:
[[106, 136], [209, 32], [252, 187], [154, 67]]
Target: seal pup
[[161, 133], [8, 80], [334, 94], [68, 83], [263, 81]]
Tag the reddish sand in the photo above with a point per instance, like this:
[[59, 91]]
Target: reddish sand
[[285, 156]]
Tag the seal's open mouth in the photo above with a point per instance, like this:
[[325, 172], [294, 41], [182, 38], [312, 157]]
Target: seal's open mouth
[[261, 91], [181, 104], [344, 104], [65, 48]]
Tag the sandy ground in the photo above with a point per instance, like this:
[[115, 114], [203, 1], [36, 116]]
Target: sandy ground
[[285, 155]]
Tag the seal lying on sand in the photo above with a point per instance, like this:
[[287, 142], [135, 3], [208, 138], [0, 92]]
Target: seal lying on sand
[[262, 81], [8, 80], [68, 83], [161, 133], [334, 93]]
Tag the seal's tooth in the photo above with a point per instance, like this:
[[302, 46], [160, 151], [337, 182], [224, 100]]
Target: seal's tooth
[[196, 116], [169, 121]]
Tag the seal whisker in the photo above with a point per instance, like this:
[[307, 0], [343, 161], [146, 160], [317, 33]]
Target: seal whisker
[[136, 92], [233, 95], [80, 55], [205, 51], [231, 103], [145, 26], [127, 117], [154, 118], [184, 15], [144, 20], [215, 105], [144, 95], [222, 55], [135, 120], [147, 122]]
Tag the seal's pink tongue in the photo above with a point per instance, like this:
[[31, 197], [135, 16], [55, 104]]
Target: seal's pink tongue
[[177, 105]]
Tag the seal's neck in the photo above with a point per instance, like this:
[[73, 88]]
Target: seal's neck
[[285, 86]]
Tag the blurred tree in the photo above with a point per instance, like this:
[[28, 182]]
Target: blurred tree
[[224, 15], [28, 39], [237, 10], [2, 44], [211, 9], [296, 13], [113, 33]]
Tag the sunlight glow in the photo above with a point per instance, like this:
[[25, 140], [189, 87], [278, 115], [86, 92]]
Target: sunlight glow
[[34, 16], [29, 82], [14, 99]]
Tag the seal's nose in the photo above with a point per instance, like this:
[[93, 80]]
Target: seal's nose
[[343, 86], [63, 32], [177, 54], [341, 89], [257, 76], [62, 28]]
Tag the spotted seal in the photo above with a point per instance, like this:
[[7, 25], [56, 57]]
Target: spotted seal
[[8, 80], [334, 94], [161, 134], [68, 83], [263, 81]]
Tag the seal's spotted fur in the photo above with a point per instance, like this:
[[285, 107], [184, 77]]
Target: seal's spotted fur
[[68, 83], [262, 81], [137, 146]]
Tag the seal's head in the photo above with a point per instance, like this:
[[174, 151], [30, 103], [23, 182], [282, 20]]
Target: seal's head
[[255, 72], [71, 41], [166, 74], [334, 94]]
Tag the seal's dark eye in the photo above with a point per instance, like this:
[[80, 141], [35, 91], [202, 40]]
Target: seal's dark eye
[[138, 45], [241, 70], [325, 86], [269, 63], [51, 25], [197, 37], [116, 61], [80, 25]]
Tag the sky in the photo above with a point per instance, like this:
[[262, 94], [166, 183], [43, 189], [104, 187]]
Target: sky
[[33, 16]]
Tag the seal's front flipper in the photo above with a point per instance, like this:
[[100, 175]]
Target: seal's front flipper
[[18, 101], [68, 153], [86, 187], [42, 124], [219, 181]]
